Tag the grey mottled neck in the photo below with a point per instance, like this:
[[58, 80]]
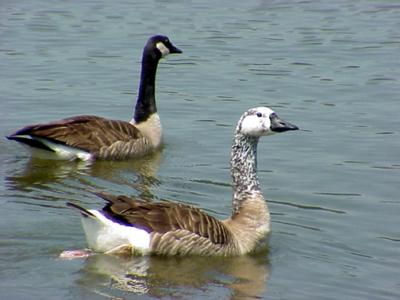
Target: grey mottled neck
[[243, 168]]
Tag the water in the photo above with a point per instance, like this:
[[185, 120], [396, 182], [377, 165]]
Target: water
[[330, 68]]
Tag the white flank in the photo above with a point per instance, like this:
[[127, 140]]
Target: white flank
[[69, 153], [61, 152], [163, 49], [104, 235]]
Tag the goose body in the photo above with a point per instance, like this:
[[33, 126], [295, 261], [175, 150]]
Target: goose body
[[170, 228], [87, 137]]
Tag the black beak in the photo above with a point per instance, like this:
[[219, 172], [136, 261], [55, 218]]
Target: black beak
[[277, 125], [173, 49]]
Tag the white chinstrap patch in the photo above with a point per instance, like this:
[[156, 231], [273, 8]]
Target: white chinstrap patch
[[103, 234], [163, 49]]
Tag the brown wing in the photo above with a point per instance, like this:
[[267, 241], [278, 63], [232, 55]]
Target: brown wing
[[89, 133], [163, 217]]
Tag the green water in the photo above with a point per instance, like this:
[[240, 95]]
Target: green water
[[330, 68]]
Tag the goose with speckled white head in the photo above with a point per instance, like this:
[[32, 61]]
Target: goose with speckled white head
[[128, 225]]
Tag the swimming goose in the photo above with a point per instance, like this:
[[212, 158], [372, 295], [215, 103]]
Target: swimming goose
[[89, 137], [169, 228]]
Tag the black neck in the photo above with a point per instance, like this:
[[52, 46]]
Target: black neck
[[146, 101]]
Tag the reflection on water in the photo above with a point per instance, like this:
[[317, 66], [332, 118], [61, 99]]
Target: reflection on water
[[244, 276], [41, 171]]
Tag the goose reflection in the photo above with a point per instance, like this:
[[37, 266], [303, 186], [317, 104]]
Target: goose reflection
[[140, 174], [245, 277], [39, 171]]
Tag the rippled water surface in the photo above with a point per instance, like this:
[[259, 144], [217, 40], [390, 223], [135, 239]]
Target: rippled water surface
[[330, 67]]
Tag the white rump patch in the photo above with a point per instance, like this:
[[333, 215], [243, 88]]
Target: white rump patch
[[104, 235], [163, 49]]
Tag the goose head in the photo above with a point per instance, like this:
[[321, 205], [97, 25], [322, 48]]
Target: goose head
[[262, 121], [159, 46]]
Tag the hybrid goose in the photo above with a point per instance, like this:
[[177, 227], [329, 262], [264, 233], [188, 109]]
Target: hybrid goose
[[127, 225], [88, 137]]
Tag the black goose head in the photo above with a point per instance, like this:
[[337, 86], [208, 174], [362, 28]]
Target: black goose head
[[159, 46]]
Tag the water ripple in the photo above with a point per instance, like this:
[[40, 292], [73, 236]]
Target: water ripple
[[338, 194], [311, 207], [297, 225]]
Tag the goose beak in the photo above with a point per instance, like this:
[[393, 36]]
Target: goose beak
[[173, 49], [278, 125]]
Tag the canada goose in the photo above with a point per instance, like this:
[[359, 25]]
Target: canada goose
[[89, 137], [170, 228]]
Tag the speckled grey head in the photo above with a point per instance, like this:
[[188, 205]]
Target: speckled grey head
[[261, 121]]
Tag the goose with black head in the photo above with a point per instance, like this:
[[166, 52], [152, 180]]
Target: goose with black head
[[88, 137]]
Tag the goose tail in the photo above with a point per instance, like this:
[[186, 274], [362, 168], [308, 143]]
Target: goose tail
[[94, 226], [30, 141], [107, 236], [84, 212]]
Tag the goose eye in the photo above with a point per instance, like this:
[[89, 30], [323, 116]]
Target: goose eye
[[259, 114]]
